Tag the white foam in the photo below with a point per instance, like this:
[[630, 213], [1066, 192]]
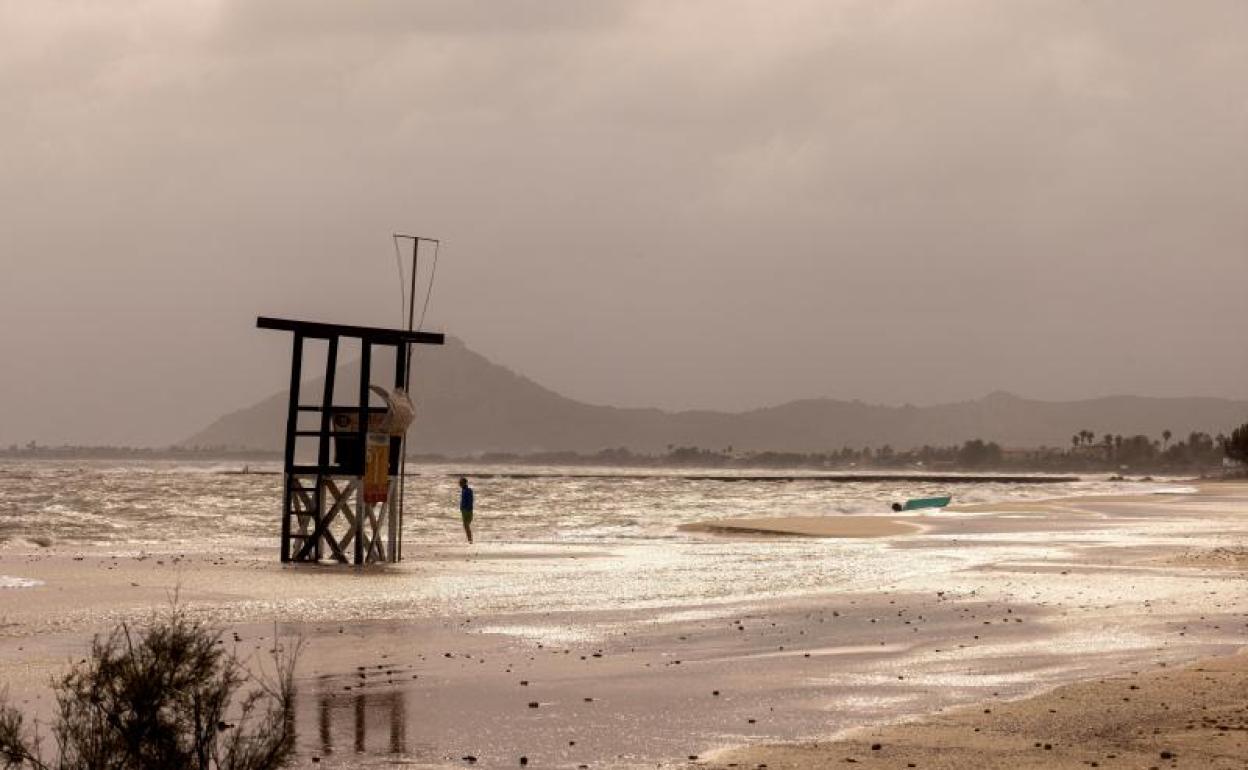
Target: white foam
[[8, 581]]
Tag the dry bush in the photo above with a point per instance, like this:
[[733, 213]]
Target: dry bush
[[168, 696]]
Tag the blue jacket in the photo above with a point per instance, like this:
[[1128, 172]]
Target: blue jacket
[[465, 499]]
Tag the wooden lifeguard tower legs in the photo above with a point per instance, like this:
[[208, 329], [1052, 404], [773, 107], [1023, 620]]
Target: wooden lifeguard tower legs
[[324, 512]]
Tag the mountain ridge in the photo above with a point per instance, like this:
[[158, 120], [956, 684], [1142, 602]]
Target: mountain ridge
[[467, 404]]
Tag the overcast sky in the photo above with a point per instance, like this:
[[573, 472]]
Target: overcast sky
[[681, 204]]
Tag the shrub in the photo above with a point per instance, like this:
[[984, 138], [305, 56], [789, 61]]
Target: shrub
[[169, 696]]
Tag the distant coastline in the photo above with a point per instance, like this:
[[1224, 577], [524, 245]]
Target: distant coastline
[[1198, 455]]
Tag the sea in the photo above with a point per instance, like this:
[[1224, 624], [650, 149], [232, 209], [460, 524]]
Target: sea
[[627, 519], [176, 503]]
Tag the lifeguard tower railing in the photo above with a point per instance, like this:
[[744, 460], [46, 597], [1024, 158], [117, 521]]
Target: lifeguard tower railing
[[324, 512]]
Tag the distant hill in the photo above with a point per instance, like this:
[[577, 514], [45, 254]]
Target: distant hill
[[467, 404]]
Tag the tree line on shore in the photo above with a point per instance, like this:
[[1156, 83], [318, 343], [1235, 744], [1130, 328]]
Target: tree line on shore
[[1088, 451], [1199, 451]]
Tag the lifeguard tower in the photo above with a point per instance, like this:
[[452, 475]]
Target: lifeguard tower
[[346, 504]]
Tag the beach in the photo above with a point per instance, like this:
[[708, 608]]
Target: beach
[[642, 385], [671, 641]]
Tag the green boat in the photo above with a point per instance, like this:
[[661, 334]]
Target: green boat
[[926, 502]]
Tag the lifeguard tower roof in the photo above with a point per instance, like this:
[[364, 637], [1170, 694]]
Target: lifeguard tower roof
[[373, 334]]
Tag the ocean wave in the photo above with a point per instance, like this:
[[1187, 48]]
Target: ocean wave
[[79, 504]]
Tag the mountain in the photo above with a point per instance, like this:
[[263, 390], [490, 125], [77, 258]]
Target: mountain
[[467, 404]]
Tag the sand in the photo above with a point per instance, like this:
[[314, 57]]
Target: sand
[[1232, 558], [1194, 717], [809, 526]]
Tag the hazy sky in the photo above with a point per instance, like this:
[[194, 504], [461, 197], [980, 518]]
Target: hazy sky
[[716, 204]]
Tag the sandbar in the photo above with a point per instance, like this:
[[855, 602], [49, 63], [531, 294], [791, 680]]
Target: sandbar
[[809, 526]]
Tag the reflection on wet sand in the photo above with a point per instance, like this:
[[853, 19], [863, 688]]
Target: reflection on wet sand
[[346, 710]]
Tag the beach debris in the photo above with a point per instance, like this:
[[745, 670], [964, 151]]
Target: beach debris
[[470, 759], [524, 761], [534, 704]]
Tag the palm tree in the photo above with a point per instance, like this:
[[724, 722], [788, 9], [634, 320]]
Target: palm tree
[[1165, 438], [1076, 439]]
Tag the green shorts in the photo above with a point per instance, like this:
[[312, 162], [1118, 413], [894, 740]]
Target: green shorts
[[467, 516]]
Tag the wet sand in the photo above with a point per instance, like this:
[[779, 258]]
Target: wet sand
[[1063, 594], [1195, 717]]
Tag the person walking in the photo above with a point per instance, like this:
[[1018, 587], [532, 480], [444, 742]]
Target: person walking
[[465, 506]]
